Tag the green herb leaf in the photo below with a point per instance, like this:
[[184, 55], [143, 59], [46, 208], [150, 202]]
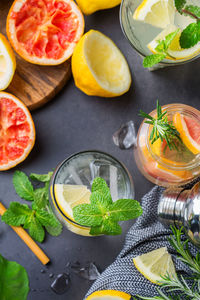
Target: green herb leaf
[[41, 197], [16, 214], [190, 36], [41, 177], [151, 60], [53, 230], [179, 4], [193, 10], [100, 200], [35, 228], [99, 185], [45, 218], [125, 209], [109, 227], [87, 215], [14, 282], [23, 186]]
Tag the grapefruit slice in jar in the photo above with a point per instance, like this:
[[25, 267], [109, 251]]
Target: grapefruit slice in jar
[[189, 130], [17, 131], [44, 32]]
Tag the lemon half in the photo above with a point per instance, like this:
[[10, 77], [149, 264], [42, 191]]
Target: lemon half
[[109, 295], [90, 6], [158, 13], [98, 66], [154, 264], [7, 63]]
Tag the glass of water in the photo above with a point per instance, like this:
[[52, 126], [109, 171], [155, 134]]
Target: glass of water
[[78, 172]]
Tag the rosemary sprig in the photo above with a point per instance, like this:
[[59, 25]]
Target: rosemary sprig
[[175, 288], [162, 128]]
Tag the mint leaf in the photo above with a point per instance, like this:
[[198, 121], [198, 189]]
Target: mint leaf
[[16, 214], [87, 215], [100, 200], [151, 60], [109, 227], [14, 283], [190, 36], [99, 185], [53, 230], [23, 186], [41, 197], [125, 209], [41, 177], [179, 4], [45, 218], [35, 228], [194, 11]]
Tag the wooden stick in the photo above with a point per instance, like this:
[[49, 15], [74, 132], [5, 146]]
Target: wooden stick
[[28, 240]]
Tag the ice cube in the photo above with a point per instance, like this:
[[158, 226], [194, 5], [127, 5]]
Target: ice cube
[[125, 137], [61, 284], [89, 271]]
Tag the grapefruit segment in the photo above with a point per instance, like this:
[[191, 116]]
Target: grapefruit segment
[[17, 131], [44, 32], [189, 130]]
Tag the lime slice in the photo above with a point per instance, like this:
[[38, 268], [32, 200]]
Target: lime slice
[[68, 196], [158, 13], [154, 264], [175, 51]]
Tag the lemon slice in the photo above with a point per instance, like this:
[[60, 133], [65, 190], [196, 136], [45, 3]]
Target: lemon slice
[[175, 51], [90, 6], [68, 196], [109, 295], [7, 63], [158, 13], [106, 72], [154, 264]]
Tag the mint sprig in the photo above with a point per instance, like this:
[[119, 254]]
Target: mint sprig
[[190, 36], [40, 216], [102, 214], [161, 49]]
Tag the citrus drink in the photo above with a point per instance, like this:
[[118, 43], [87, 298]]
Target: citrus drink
[[72, 181], [181, 163], [141, 34]]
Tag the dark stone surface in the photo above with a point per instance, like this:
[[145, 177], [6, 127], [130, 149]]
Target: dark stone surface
[[73, 122]]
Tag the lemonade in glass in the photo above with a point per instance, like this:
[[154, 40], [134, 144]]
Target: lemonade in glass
[[146, 22], [178, 163], [72, 180]]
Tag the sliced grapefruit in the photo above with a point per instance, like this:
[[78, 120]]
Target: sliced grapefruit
[[189, 130], [17, 131], [44, 32]]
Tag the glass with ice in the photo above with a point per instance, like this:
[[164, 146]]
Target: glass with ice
[[72, 180]]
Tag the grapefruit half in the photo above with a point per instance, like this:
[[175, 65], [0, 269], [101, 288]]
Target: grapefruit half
[[44, 32], [17, 131]]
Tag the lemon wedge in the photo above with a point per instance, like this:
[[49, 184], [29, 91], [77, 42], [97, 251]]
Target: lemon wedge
[[175, 51], [158, 13], [68, 196], [98, 66], [154, 264], [109, 295], [7, 63], [90, 6]]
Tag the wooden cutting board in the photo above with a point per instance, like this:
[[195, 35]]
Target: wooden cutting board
[[34, 85]]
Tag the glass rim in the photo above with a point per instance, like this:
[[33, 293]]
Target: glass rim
[[192, 112], [173, 63], [59, 166]]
